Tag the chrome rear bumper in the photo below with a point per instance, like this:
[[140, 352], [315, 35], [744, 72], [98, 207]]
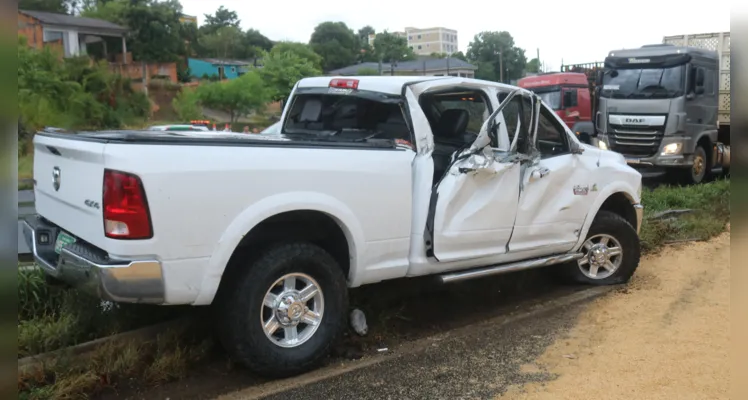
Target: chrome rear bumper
[[90, 269]]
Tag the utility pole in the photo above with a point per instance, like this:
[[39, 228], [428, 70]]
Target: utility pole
[[501, 66], [540, 69]]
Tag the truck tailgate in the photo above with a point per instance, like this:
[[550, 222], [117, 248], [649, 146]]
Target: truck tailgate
[[68, 175]]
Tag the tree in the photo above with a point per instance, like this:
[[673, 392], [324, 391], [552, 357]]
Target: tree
[[155, 29], [220, 19], [255, 43], [236, 97], [392, 48], [459, 55], [496, 49], [281, 70], [336, 43], [54, 6], [533, 66], [225, 42], [366, 51], [364, 33], [302, 50]]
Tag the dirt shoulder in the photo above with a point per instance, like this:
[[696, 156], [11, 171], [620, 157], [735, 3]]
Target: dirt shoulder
[[665, 336]]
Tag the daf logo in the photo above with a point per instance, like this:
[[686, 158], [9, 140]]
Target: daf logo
[[56, 178], [634, 120]]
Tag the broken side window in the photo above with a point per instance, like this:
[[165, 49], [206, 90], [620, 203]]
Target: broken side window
[[551, 137], [514, 123]]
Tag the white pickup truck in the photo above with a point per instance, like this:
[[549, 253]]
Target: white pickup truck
[[370, 178]]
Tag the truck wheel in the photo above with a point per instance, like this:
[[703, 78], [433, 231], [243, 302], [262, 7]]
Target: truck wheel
[[611, 252], [700, 169], [281, 316]]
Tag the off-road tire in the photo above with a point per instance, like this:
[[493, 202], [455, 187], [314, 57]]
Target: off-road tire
[[616, 226], [239, 310]]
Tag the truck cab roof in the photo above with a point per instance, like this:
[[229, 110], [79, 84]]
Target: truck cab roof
[[662, 50], [554, 79]]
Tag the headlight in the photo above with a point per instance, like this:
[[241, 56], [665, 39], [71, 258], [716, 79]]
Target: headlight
[[672, 148], [601, 144]]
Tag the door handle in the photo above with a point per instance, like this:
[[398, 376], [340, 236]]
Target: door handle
[[539, 173]]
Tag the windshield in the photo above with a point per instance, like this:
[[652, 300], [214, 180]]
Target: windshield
[[552, 99], [345, 117], [643, 83]]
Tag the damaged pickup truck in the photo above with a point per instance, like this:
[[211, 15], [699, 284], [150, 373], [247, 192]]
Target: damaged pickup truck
[[369, 179]]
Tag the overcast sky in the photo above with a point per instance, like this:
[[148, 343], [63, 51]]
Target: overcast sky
[[574, 31]]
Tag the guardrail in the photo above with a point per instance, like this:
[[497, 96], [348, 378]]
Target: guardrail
[[25, 207]]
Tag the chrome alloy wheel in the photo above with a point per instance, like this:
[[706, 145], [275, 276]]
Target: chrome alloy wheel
[[292, 310], [602, 256]]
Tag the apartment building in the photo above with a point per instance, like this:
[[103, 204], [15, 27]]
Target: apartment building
[[432, 40], [427, 41]]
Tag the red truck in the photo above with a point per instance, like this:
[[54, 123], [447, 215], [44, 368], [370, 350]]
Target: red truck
[[570, 93]]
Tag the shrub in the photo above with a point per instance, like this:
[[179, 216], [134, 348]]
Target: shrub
[[187, 104]]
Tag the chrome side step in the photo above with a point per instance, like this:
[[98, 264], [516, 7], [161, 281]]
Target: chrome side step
[[506, 268]]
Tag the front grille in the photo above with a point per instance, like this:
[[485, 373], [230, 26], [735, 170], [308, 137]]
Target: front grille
[[639, 141]]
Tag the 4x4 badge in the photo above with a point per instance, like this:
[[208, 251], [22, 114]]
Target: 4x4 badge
[[581, 190]]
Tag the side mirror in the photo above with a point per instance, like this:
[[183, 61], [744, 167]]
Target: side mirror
[[599, 77], [576, 148]]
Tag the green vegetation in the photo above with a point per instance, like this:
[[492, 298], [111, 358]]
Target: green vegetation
[[25, 170], [72, 93], [710, 203], [51, 317], [237, 97], [166, 357]]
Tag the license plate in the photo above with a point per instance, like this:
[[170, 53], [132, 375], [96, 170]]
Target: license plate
[[63, 239]]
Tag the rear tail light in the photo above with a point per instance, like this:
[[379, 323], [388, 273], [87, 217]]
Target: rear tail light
[[126, 214]]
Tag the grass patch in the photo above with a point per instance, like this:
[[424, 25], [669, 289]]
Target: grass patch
[[167, 357], [710, 203], [25, 171], [50, 318]]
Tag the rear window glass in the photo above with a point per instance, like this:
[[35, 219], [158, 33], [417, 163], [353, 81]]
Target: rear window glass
[[346, 116]]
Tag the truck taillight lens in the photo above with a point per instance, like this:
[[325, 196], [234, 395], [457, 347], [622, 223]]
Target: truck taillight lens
[[126, 214]]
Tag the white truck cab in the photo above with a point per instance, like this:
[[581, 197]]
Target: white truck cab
[[368, 179]]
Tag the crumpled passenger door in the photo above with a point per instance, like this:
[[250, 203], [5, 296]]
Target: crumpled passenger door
[[473, 208]]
